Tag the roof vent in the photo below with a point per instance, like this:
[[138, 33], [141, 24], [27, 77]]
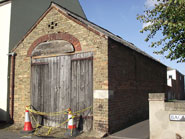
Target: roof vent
[[52, 25]]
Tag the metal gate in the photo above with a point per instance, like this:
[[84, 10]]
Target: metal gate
[[63, 82]]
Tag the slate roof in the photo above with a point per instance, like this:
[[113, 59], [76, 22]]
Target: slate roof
[[97, 28], [107, 33], [25, 13], [2, 2]]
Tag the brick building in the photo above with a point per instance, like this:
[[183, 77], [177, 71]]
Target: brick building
[[67, 54], [175, 81]]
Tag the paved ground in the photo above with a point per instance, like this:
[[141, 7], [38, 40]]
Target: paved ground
[[4, 134], [137, 131], [7, 134]]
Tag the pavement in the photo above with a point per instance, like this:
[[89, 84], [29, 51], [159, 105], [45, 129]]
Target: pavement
[[19, 134], [7, 134], [137, 131], [16, 135]]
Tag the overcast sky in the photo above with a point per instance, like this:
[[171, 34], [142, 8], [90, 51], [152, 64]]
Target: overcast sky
[[119, 17]]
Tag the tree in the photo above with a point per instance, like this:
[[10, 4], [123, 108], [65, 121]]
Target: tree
[[167, 17]]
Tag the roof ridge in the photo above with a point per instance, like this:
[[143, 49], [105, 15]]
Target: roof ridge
[[99, 29], [55, 4], [109, 34]]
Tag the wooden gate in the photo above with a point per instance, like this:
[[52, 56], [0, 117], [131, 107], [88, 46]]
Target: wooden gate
[[63, 82]]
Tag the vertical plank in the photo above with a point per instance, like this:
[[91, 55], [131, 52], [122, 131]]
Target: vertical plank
[[74, 96], [81, 85], [38, 87], [68, 73], [47, 102], [33, 86], [57, 91], [59, 106], [45, 88], [62, 94], [50, 104], [86, 94], [78, 84], [54, 89]]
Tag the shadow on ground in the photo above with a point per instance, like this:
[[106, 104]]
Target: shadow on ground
[[137, 131]]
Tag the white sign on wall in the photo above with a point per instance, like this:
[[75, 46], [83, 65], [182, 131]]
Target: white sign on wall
[[175, 117]]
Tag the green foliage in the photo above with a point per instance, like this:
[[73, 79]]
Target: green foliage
[[168, 17]]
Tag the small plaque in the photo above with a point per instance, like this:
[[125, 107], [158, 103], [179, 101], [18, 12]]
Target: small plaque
[[176, 117]]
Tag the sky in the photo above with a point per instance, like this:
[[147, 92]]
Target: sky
[[119, 17]]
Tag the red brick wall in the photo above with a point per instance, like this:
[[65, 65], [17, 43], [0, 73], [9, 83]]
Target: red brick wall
[[179, 86], [131, 76], [171, 90], [176, 90]]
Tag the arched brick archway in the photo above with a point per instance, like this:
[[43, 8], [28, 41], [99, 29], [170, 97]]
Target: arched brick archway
[[56, 36]]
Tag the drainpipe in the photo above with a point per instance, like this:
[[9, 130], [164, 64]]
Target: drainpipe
[[12, 74]]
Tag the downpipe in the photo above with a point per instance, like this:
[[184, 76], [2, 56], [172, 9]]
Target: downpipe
[[12, 77]]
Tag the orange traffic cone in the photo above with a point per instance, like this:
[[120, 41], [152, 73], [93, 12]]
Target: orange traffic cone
[[27, 124], [72, 131], [71, 123]]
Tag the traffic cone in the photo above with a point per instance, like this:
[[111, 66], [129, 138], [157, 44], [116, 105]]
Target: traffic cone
[[27, 124], [72, 131]]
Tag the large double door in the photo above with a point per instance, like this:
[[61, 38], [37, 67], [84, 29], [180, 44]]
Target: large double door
[[63, 82]]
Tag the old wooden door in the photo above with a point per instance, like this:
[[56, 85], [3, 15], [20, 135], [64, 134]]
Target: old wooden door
[[39, 88], [62, 82], [81, 86]]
